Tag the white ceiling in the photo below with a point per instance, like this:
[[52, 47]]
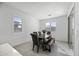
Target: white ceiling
[[41, 10]]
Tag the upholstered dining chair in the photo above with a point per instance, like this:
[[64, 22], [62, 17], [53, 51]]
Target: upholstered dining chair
[[35, 41]]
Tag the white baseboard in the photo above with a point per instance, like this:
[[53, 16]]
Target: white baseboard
[[62, 41]]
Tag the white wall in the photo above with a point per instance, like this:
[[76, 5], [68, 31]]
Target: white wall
[[76, 40], [7, 35], [61, 27]]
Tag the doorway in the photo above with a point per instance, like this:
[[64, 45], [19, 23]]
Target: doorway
[[71, 28]]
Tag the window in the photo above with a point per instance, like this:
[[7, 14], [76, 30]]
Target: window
[[17, 24], [50, 26], [53, 24]]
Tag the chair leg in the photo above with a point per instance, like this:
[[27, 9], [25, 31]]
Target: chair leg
[[43, 47], [33, 47], [54, 41], [49, 48], [37, 49]]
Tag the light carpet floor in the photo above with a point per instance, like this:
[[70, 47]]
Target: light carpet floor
[[59, 49]]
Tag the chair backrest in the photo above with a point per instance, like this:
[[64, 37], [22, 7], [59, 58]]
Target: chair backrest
[[35, 33], [34, 39], [39, 33]]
